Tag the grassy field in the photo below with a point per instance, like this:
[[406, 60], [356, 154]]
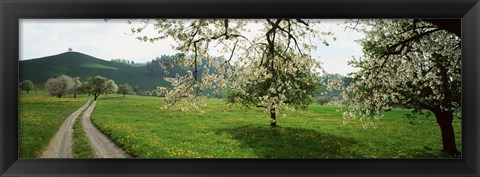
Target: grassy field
[[81, 148], [40, 117], [146, 131]]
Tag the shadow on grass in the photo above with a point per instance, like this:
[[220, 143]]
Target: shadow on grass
[[428, 153], [280, 142]]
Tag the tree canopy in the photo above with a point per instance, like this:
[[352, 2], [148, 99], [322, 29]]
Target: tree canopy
[[26, 85], [59, 86], [279, 54], [112, 87], [75, 89], [125, 89], [97, 85], [409, 63]]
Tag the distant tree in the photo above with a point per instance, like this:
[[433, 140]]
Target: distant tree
[[146, 93], [136, 90], [155, 93], [347, 81], [323, 100], [76, 87], [70, 49], [125, 89], [122, 61], [59, 86], [84, 88], [335, 84], [112, 87], [96, 85], [132, 62], [27, 85]]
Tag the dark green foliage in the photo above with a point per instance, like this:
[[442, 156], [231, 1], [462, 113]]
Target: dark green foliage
[[168, 66], [124, 61], [154, 67], [125, 89], [27, 85]]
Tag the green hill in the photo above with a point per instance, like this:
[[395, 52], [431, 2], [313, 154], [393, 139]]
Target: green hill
[[76, 64]]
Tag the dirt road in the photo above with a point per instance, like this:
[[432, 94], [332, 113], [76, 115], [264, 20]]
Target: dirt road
[[60, 145], [102, 146]]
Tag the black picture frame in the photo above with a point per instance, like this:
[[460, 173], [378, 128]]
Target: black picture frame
[[13, 10]]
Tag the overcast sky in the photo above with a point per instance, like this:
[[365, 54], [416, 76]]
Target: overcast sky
[[109, 40]]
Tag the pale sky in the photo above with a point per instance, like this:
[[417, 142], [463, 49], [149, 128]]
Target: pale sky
[[109, 40]]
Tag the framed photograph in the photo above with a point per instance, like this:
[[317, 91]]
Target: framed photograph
[[239, 88]]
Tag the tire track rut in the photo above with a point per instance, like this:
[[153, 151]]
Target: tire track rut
[[102, 146], [60, 145]]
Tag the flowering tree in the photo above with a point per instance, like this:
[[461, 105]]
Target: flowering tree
[[408, 63], [280, 82], [112, 87], [59, 86], [75, 87], [268, 70]]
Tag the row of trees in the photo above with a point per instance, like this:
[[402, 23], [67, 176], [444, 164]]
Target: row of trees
[[95, 86], [125, 61]]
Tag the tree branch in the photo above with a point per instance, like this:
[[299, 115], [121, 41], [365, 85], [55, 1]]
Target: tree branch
[[451, 25]]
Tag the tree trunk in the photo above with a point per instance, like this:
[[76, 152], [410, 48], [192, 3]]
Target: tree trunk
[[444, 120], [273, 118], [74, 95], [27, 91], [95, 96]]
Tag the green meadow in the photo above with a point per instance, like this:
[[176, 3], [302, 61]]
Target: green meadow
[[81, 148], [40, 116], [143, 129]]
